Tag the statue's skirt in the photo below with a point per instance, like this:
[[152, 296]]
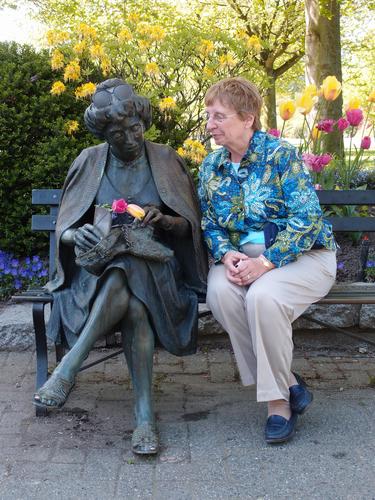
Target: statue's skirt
[[171, 306]]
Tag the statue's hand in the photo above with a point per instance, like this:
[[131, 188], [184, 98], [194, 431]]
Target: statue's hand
[[153, 216], [87, 237]]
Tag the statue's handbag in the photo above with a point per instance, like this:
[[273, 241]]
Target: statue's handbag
[[133, 239]]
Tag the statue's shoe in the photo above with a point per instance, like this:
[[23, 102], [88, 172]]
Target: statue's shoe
[[145, 440], [53, 393]]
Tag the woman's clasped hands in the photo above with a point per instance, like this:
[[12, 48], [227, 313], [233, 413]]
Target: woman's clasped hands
[[243, 270]]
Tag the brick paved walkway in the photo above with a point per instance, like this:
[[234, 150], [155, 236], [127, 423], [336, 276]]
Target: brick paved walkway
[[211, 433]]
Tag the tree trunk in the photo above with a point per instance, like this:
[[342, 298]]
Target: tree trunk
[[323, 54], [270, 102]]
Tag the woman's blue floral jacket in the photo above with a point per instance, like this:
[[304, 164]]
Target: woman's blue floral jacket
[[272, 185]]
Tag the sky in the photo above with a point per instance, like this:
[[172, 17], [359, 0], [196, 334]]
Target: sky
[[16, 25]]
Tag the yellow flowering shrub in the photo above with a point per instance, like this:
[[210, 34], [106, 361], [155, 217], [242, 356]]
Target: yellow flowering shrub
[[57, 88], [192, 150], [206, 47], [57, 60], [71, 126], [72, 71], [87, 31], [97, 51], [85, 90], [55, 37], [152, 69], [124, 35], [227, 61], [167, 104], [80, 47], [253, 43], [105, 65]]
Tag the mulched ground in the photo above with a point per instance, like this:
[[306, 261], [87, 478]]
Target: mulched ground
[[349, 255]]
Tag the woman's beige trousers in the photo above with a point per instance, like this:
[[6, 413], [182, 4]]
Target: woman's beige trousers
[[258, 318]]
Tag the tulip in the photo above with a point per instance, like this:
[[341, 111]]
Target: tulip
[[331, 88], [318, 187], [287, 110], [342, 124], [353, 103], [354, 116], [366, 142], [371, 97], [274, 132], [305, 103], [311, 89], [316, 163], [326, 125], [119, 206], [136, 211], [315, 133]]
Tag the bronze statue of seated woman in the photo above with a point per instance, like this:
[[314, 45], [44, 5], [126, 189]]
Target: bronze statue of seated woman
[[146, 299]]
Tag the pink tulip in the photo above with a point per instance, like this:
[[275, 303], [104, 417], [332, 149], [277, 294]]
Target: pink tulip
[[342, 124], [119, 206], [366, 142], [326, 125], [317, 187], [316, 163], [354, 116], [274, 132]]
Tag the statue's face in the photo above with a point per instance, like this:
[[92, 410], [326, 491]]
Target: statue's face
[[126, 138]]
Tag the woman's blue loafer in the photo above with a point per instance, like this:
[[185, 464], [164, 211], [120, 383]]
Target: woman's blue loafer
[[279, 429], [299, 396]]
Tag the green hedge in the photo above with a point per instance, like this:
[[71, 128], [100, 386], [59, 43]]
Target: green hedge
[[35, 151]]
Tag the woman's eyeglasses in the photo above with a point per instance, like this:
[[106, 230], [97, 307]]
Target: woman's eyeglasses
[[217, 117]]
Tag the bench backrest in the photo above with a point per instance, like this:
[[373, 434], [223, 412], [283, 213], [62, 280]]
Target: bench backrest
[[51, 197]]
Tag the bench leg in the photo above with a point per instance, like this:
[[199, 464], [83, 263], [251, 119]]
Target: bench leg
[[41, 350]]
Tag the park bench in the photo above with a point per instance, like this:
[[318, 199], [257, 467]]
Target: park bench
[[344, 293]]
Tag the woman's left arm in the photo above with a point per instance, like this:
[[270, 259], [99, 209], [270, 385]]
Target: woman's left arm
[[304, 216]]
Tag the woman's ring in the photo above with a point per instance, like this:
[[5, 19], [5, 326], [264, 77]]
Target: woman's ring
[[248, 276]]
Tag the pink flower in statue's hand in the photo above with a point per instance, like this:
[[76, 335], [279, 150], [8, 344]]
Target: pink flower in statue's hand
[[354, 116], [366, 142], [274, 132], [342, 124], [316, 163], [119, 206], [326, 125]]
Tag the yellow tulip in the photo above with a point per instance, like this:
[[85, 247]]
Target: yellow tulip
[[287, 110], [136, 211], [353, 103], [305, 103], [331, 88], [371, 97], [315, 133], [311, 89]]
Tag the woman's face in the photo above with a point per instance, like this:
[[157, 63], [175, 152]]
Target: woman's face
[[226, 127], [126, 138]]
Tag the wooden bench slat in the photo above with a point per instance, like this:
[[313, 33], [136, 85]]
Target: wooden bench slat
[[46, 196], [352, 224], [352, 197], [43, 222]]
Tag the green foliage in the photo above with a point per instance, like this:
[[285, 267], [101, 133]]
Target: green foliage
[[35, 151]]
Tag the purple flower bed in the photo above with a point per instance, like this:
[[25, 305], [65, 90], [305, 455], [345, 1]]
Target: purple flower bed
[[19, 274]]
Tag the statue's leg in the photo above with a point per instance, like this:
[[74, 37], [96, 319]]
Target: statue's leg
[[138, 342], [108, 309]]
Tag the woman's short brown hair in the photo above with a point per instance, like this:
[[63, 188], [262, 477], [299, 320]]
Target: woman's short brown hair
[[238, 93]]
